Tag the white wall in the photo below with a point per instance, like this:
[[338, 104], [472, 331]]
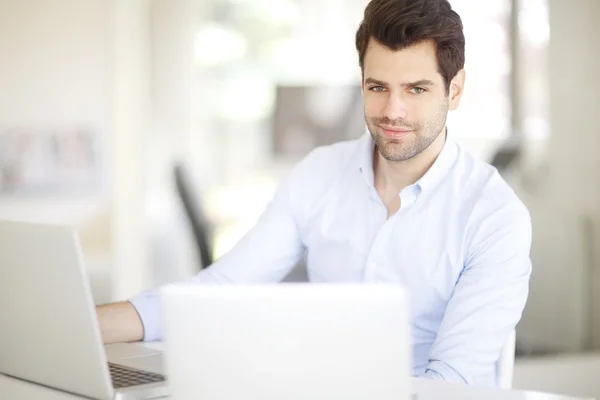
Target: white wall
[[567, 189], [131, 106], [72, 62], [54, 72], [55, 62]]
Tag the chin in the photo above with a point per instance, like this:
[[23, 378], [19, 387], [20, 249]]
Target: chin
[[395, 152]]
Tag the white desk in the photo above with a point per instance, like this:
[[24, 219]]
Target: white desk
[[425, 389], [434, 390]]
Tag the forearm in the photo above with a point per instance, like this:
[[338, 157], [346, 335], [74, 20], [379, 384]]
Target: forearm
[[119, 322], [265, 255]]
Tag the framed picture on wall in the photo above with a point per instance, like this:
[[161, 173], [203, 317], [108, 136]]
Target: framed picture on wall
[[49, 160]]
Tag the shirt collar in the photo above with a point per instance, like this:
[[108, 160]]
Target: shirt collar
[[436, 172], [442, 164]]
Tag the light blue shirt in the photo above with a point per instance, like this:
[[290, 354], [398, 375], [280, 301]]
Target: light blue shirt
[[459, 245]]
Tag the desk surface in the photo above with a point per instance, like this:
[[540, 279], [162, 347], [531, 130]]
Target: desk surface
[[431, 390], [11, 388], [426, 390]]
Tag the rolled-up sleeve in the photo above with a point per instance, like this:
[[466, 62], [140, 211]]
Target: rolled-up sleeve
[[488, 299], [147, 306]]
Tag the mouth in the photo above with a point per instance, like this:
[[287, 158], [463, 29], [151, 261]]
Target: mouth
[[395, 132]]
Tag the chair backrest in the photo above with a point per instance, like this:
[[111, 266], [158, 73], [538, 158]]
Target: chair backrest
[[506, 363], [200, 225]]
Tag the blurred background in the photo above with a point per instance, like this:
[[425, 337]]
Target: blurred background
[[161, 128]]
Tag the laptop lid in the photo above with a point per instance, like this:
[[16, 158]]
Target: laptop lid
[[290, 341], [49, 333]]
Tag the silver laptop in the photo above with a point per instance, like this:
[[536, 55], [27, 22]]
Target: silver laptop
[[290, 341], [49, 332]]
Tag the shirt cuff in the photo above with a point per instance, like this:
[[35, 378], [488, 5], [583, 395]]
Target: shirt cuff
[[440, 371], [148, 308]]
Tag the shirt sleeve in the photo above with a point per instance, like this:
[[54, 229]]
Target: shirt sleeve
[[266, 254], [488, 299]]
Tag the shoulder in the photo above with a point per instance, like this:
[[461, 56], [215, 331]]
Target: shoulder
[[491, 203], [329, 159], [315, 177], [322, 167]]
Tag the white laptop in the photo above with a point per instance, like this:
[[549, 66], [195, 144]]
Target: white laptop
[[49, 332], [290, 341]]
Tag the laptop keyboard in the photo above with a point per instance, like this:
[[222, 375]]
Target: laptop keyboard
[[123, 377]]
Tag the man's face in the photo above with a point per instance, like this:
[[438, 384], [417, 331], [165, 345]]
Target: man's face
[[405, 99]]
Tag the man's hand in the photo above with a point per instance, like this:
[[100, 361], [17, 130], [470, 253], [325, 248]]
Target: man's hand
[[119, 322]]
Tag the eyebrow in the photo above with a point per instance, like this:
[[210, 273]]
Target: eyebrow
[[421, 82]]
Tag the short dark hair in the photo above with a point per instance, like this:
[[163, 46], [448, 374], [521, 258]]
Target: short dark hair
[[398, 24]]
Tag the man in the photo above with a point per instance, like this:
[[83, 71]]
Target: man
[[402, 204]]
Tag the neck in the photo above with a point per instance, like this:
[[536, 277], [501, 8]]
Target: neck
[[393, 176]]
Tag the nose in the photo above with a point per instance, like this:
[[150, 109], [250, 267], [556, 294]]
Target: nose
[[395, 107]]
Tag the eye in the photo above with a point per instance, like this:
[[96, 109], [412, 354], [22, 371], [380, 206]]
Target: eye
[[417, 90], [377, 88]]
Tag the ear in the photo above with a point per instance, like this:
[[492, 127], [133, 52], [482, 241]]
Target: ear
[[457, 86]]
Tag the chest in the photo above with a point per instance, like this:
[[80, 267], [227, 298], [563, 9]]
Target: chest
[[421, 247]]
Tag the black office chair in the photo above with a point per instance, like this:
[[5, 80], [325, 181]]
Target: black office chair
[[201, 227], [507, 154]]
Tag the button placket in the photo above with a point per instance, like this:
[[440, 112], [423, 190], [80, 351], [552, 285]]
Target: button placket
[[376, 258]]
